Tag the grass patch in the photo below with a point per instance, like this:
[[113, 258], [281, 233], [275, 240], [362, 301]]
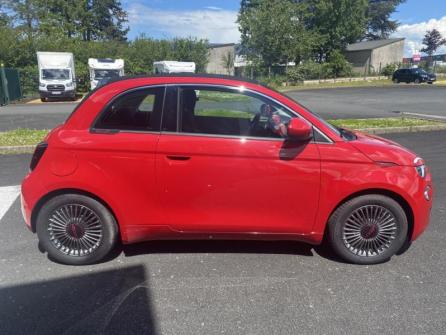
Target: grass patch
[[210, 96], [224, 113], [362, 83], [21, 136], [381, 123], [370, 83]]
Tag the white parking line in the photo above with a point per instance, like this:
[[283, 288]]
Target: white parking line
[[8, 194], [425, 116]]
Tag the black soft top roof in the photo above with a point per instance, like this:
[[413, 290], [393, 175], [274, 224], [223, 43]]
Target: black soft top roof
[[185, 75]]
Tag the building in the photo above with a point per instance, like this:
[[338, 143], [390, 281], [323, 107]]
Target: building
[[436, 59], [371, 56], [218, 58]]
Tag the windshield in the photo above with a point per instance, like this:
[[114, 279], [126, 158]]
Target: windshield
[[101, 74], [57, 74]]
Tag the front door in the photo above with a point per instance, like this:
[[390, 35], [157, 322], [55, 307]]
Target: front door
[[226, 167]]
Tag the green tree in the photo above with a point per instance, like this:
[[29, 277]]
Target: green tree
[[191, 50], [4, 18], [379, 24], [85, 19], [339, 22], [273, 31], [432, 41], [109, 20], [25, 15]]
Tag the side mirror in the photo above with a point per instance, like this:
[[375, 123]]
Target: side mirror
[[299, 130]]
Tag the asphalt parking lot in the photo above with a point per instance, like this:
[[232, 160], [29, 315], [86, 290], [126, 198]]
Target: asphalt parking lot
[[329, 103], [225, 287]]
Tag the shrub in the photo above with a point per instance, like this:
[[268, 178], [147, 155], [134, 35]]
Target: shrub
[[389, 69], [337, 66], [273, 81], [305, 71], [440, 69], [29, 79]]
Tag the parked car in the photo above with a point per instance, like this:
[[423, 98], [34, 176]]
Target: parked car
[[416, 76], [144, 159]]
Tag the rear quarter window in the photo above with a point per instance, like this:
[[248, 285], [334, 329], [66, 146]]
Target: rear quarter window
[[135, 110]]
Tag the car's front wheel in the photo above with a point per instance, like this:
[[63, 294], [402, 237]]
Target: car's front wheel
[[368, 229], [75, 229]]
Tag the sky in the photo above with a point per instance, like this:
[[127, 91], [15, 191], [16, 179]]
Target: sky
[[215, 20]]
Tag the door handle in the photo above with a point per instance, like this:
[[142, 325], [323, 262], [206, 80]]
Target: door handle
[[178, 158]]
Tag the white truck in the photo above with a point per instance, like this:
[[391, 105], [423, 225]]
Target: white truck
[[173, 67], [57, 78], [104, 69]]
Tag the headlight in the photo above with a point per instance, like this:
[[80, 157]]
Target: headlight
[[69, 84], [42, 85], [421, 170]]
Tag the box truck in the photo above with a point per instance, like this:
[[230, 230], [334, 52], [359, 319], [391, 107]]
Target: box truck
[[57, 78], [173, 67], [104, 69]]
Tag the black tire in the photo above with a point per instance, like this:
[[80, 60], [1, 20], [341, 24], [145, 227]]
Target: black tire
[[43, 99], [96, 227], [417, 81], [396, 81], [346, 221]]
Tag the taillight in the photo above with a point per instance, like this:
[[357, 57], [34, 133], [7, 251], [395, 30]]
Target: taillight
[[38, 153]]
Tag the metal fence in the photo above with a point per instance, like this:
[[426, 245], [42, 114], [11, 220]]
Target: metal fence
[[10, 88]]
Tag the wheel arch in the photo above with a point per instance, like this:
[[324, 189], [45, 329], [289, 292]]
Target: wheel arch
[[391, 194], [58, 192]]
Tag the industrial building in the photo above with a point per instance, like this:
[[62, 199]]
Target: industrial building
[[370, 57]]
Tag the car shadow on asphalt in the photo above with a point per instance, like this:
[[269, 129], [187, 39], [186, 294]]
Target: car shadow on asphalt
[[218, 246], [223, 246], [105, 302]]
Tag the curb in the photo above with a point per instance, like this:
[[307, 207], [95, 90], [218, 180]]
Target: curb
[[22, 149], [18, 149], [38, 101], [409, 129]]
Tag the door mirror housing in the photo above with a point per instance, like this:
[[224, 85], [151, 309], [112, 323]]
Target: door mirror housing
[[299, 130]]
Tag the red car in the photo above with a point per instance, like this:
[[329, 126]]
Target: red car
[[214, 157]]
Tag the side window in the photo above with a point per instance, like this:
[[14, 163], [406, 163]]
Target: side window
[[221, 111], [136, 110]]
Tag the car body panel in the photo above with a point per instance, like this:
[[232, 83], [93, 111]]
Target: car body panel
[[238, 184]]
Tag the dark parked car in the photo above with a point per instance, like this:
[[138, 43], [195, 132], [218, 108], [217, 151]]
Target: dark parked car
[[416, 76]]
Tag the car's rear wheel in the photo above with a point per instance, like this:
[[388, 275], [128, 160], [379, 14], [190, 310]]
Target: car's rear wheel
[[417, 81], [368, 229], [396, 81], [75, 229]]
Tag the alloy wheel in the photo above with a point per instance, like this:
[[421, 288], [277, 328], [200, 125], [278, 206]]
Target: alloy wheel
[[75, 230], [369, 230]]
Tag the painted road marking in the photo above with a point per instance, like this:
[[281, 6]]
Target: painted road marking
[[425, 116], [8, 194]]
